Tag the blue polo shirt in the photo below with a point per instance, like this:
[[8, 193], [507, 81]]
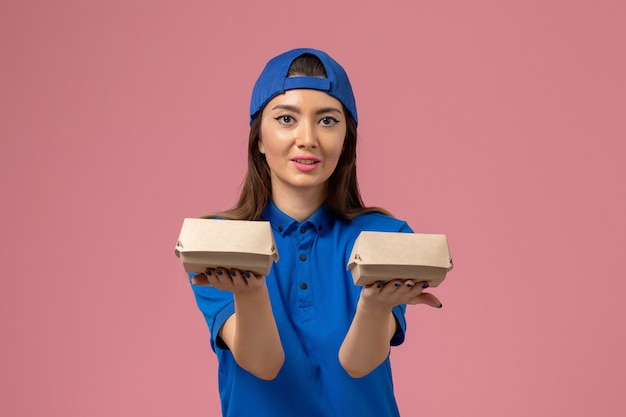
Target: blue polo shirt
[[314, 300]]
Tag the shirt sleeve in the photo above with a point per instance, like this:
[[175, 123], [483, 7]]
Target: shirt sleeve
[[216, 306], [398, 337]]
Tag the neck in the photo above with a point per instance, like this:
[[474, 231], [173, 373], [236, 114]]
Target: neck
[[299, 204]]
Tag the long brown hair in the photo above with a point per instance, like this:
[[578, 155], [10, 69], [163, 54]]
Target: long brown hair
[[343, 197]]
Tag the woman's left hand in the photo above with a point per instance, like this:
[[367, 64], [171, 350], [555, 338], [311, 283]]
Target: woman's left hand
[[393, 293], [374, 323]]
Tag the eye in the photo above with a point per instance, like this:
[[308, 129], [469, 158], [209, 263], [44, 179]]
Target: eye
[[328, 121], [285, 119]]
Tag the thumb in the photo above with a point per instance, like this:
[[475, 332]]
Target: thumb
[[426, 298], [199, 279]]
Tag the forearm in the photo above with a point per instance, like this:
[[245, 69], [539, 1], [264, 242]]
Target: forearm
[[367, 342], [252, 335]]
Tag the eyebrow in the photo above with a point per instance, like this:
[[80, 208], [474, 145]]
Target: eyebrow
[[296, 109]]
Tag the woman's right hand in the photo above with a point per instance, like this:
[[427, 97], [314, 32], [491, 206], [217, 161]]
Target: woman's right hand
[[231, 280], [251, 332]]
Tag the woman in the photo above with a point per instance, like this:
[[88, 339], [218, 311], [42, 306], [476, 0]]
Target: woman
[[304, 341]]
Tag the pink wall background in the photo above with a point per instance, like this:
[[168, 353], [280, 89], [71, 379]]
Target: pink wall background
[[499, 123]]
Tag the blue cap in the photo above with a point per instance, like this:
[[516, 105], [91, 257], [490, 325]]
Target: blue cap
[[273, 81]]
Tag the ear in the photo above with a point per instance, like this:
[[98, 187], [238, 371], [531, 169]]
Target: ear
[[261, 146]]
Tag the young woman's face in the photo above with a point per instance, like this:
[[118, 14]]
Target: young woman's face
[[302, 135]]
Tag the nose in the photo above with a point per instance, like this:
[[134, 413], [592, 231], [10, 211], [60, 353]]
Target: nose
[[306, 135]]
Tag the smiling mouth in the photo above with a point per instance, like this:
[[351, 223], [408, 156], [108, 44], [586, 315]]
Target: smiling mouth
[[306, 161]]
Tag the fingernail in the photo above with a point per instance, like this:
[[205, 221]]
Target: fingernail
[[233, 273], [379, 286], [425, 285], [247, 274], [208, 273], [408, 284], [397, 284], [218, 272]]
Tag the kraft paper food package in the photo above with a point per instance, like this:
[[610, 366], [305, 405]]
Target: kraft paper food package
[[231, 244], [385, 256]]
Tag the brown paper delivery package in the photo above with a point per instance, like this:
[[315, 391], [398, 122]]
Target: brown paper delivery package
[[385, 256], [231, 244]]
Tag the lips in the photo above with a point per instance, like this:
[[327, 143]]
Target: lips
[[305, 163], [306, 160]]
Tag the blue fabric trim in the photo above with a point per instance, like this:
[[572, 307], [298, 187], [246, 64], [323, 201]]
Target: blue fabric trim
[[313, 83]]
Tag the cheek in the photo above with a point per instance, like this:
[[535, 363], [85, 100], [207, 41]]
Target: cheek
[[337, 150], [271, 142], [337, 153]]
